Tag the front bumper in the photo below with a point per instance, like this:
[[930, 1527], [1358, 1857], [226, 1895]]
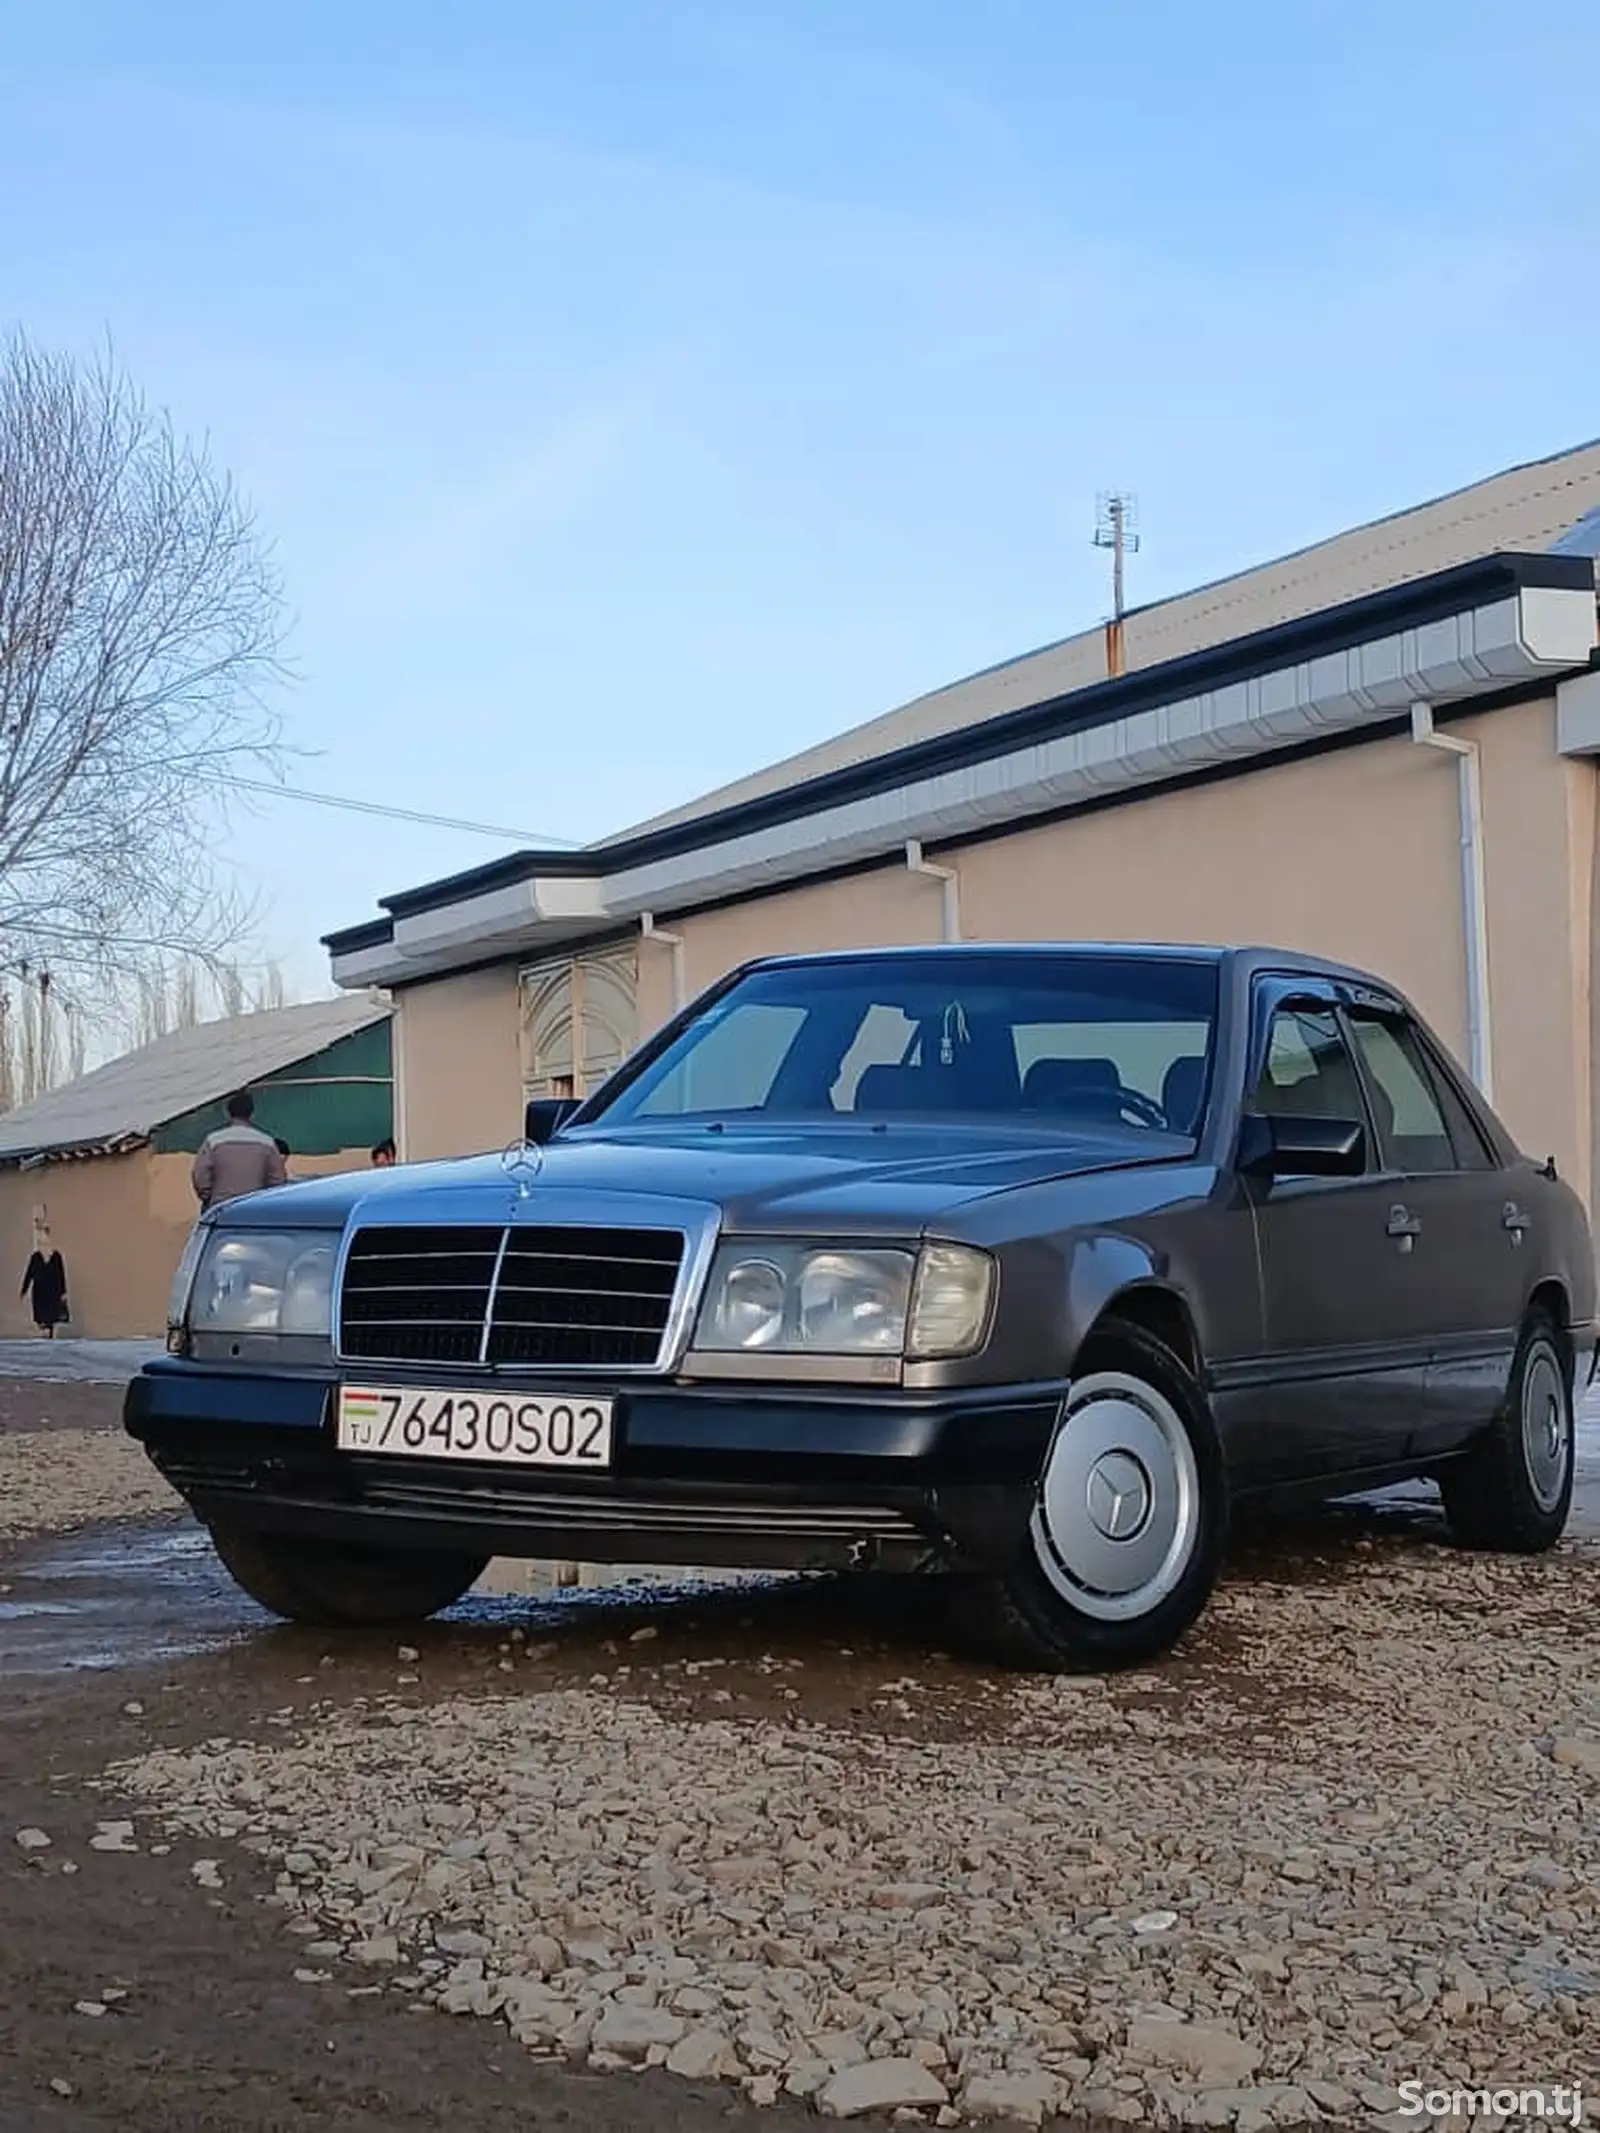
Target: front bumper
[[726, 1476]]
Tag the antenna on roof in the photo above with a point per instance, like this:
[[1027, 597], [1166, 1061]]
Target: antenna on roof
[[1116, 515]]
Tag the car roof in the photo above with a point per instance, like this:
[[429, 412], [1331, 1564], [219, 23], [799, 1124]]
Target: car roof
[[1252, 958]]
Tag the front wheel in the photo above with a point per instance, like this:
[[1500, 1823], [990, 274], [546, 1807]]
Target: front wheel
[[328, 1585], [1129, 1519], [1513, 1489]]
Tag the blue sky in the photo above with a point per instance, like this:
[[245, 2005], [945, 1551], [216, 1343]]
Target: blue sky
[[636, 393]]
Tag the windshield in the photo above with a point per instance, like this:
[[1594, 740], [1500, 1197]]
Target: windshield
[[1075, 1039]]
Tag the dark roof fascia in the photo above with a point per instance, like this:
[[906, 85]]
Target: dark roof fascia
[[349, 940], [1408, 606], [123, 1143]]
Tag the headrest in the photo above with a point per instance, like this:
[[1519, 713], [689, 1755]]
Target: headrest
[[1182, 1088], [890, 1088], [1070, 1084]]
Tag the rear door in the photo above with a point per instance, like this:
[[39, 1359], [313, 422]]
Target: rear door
[[1347, 1319], [1467, 1258]]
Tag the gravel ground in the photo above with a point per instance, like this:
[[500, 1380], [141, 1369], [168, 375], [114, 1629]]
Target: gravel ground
[[51, 1481], [64, 1461], [1352, 1839]]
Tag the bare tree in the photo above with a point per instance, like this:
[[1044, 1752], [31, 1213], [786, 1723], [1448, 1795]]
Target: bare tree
[[27, 1044], [232, 990], [139, 626], [77, 1043], [182, 992]]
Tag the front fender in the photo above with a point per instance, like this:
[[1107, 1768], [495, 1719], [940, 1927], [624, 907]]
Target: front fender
[[1099, 1269], [1053, 1293]]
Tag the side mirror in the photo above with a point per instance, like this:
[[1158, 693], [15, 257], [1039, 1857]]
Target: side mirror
[[1302, 1147], [545, 1117]]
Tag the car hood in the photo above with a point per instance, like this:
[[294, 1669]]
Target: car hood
[[837, 1176]]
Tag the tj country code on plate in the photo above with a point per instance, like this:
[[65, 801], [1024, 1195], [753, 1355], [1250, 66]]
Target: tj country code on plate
[[547, 1431]]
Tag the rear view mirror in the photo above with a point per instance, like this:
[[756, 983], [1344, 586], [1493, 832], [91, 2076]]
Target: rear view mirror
[[1302, 1147], [545, 1116]]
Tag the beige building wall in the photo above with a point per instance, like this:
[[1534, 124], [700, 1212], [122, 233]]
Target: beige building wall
[[120, 1223], [458, 1064], [1354, 854]]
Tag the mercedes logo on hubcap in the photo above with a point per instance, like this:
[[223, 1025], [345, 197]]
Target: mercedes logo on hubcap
[[1119, 1495]]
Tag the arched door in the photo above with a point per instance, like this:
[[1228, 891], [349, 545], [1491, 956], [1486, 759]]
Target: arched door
[[580, 1020]]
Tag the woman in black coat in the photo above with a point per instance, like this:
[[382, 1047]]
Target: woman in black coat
[[46, 1278]]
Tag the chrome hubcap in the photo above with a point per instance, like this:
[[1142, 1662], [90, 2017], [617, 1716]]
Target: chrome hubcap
[[1546, 1437], [1118, 1513]]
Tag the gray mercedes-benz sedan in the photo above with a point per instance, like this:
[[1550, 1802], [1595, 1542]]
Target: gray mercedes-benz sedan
[[1012, 1267]]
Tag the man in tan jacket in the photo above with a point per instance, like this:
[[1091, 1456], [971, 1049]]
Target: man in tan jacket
[[237, 1158]]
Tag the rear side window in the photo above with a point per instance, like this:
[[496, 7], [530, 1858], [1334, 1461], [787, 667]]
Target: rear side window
[[1472, 1149], [1414, 1130]]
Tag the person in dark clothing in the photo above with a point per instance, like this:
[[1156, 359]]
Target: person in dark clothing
[[383, 1155], [46, 1281]]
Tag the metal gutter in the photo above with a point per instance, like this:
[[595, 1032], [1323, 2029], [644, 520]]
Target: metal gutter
[[1474, 900]]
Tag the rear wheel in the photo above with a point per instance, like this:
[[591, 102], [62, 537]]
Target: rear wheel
[[333, 1586], [1129, 1519], [1513, 1489]]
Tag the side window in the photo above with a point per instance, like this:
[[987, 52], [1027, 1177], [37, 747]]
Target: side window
[[1412, 1131], [1308, 1071], [1472, 1150]]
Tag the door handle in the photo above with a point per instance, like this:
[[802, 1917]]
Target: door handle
[[1404, 1227], [1515, 1221]]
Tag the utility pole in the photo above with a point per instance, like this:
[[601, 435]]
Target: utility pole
[[1114, 529]]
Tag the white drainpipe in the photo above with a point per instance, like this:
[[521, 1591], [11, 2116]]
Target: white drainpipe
[[1474, 903], [949, 884], [650, 931]]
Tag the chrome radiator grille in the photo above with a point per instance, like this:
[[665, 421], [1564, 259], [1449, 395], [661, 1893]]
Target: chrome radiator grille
[[542, 1297]]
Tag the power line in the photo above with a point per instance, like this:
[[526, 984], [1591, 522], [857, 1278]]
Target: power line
[[383, 809]]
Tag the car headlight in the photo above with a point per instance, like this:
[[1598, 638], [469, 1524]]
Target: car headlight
[[798, 1299], [183, 1279], [264, 1281]]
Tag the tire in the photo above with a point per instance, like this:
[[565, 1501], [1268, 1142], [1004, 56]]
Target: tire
[[1512, 1490], [1135, 1446], [332, 1586]]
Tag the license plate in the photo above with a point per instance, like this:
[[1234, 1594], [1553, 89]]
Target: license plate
[[516, 1428]]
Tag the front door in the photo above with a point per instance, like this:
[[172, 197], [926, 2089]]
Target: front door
[[1345, 1301]]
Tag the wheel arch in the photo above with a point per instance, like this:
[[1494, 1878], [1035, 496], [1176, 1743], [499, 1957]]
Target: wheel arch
[[1550, 1299], [1153, 1308]]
